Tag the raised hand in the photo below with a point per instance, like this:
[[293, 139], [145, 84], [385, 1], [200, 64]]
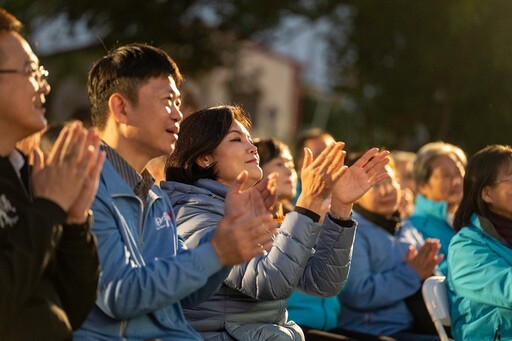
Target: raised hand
[[425, 260], [319, 176], [247, 227], [71, 168], [60, 177], [268, 190], [359, 177]]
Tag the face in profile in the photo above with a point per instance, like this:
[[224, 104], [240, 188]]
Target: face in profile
[[287, 180], [383, 198], [22, 92], [445, 182], [498, 196], [153, 123], [235, 153]]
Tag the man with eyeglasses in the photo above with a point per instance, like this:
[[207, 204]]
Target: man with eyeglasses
[[48, 258]]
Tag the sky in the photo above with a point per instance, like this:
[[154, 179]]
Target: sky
[[296, 38]]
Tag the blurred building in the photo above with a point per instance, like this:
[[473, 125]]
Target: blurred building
[[265, 83]]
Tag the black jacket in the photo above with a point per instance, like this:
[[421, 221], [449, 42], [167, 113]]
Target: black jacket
[[48, 273]]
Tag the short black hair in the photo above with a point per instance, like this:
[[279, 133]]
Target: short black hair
[[269, 149], [8, 22], [199, 135], [125, 70]]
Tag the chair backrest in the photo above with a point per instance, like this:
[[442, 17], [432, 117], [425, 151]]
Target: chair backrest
[[435, 295]]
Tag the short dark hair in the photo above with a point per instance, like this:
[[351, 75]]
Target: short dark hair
[[125, 70], [199, 135], [308, 134], [269, 149], [483, 170], [8, 22]]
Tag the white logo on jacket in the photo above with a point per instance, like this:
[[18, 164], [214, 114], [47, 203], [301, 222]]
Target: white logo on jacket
[[6, 209], [164, 221]]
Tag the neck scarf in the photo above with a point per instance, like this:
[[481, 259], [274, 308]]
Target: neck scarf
[[502, 225], [391, 224]]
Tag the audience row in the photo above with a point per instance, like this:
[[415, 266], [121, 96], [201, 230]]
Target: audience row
[[233, 243]]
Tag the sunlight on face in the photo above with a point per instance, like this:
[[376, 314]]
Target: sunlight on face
[[234, 154]]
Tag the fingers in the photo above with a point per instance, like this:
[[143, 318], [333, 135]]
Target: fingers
[[239, 182], [262, 185], [340, 160], [363, 160], [327, 157], [37, 158], [55, 153], [375, 167], [412, 253], [308, 158]]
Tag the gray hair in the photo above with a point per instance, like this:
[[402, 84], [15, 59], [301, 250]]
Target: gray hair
[[422, 165]]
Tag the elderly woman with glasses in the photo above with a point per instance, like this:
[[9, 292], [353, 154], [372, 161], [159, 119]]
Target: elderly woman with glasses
[[480, 254]]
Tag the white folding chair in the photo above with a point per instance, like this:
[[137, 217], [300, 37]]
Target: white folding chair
[[435, 295]]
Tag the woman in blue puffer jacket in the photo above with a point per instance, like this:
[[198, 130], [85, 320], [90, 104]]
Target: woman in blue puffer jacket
[[214, 144]]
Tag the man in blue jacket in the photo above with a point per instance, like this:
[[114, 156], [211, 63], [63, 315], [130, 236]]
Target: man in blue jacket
[[147, 272]]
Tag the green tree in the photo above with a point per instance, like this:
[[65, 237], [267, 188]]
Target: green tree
[[441, 67], [200, 33]]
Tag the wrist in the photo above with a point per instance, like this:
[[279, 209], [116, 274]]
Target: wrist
[[311, 204], [87, 217], [341, 212]]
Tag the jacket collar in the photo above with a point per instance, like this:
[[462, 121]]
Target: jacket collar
[[487, 226], [204, 186], [426, 207]]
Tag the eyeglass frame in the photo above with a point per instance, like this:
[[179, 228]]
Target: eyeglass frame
[[39, 73]]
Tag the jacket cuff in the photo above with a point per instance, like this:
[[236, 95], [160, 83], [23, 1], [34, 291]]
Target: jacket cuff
[[51, 209], [211, 262], [308, 213]]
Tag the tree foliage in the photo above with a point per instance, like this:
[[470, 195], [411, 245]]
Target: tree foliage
[[199, 33], [412, 71], [427, 70]]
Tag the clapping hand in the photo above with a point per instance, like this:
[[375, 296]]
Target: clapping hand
[[319, 176], [69, 175], [359, 177], [425, 260], [247, 227]]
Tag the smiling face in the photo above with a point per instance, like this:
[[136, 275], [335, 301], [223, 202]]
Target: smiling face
[[383, 198], [152, 124], [22, 97], [445, 181], [235, 153], [287, 180]]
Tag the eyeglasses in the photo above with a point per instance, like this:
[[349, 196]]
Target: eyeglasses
[[39, 73]]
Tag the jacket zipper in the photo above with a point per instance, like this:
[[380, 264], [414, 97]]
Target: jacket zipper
[[497, 334]]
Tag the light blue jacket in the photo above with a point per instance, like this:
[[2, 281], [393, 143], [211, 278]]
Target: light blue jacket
[[480, 283], [373, 300], [429, 217], [146, 270], [251, 305]]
